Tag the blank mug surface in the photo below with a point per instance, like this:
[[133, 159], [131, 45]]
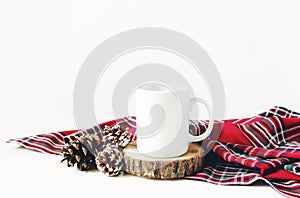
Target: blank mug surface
[[162, 119], [161, 135]]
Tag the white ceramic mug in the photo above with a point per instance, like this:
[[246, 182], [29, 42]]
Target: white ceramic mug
[[162, 119]]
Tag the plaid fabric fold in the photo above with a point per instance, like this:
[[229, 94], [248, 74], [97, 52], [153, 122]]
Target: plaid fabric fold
[[293, 167], [264, 147]]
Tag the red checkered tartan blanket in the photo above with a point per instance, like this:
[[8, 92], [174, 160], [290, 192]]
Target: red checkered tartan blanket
[[264, 147]]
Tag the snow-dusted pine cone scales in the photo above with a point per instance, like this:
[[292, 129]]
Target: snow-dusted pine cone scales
[[110, 161], [117, 135]]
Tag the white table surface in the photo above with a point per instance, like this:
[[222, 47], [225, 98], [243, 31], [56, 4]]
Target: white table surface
[[26, 173]]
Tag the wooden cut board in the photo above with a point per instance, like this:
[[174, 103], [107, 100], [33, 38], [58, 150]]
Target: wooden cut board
[[169, 168]]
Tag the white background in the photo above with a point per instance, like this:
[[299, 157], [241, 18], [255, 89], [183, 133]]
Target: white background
[[255, 45]]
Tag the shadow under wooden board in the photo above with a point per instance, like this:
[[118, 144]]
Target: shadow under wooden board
[[170, 168]]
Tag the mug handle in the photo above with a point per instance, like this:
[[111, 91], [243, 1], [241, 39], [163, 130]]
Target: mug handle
[[210, 124]]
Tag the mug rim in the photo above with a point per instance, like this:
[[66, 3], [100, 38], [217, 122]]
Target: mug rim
[[162, 88]]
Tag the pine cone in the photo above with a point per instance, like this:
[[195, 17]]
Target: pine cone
[[111, 160], [116, 135], [82, 149], [92, 142], [75, 153]]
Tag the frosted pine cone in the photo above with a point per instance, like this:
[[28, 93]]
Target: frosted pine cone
[[117, 135], [111, 160]]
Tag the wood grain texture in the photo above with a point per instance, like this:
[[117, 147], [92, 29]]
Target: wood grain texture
[[169, 168]]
